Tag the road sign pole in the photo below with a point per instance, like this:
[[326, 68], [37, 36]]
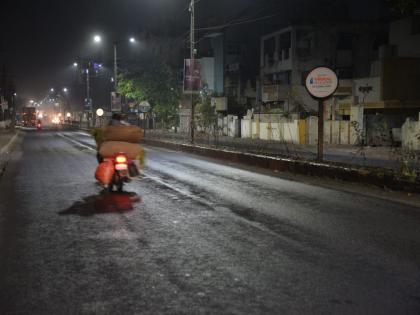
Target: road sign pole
[[320, 155], [321, 83]]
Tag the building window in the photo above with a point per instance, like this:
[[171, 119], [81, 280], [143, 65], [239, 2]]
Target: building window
[[285, 44], [344, 73], [345, 42], [282, 77], [269, 48]]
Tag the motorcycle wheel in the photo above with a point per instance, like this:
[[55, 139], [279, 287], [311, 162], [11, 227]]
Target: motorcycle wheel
[[120, 186], [118, 182]]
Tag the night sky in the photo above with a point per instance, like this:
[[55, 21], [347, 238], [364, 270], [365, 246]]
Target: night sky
[[40, 39]]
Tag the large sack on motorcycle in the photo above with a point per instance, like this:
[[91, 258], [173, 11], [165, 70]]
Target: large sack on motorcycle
[[110, 148], [98, 134], [104, 172], [132, 134]]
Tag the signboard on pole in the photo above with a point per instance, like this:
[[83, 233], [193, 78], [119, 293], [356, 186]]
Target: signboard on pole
[[192, 76], [321, 82], [116, 102], [88, 104], [144, 107]]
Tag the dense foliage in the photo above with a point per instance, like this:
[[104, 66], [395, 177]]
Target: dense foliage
[[153, 81], [207, 117]]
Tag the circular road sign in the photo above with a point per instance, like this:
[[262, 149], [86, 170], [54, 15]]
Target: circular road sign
[[100, 112], [144, 107], [321, 82]]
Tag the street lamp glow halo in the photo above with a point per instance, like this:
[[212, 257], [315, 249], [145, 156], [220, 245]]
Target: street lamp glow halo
[[97, 39]]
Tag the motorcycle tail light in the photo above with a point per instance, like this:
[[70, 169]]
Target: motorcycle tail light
[[121, 159]]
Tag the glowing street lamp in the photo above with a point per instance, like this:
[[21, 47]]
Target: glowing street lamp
[[65, 90], [132, 40], [75, 64], [97, 39], [52, 90]]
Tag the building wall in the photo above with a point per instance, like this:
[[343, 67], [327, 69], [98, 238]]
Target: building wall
[[401, 79], [208, 72], [246, 128], [411, 135], [374, 96], [219, 70], [316, 45], [401, 35]]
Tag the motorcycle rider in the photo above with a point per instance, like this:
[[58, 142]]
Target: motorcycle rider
[[117, 119]]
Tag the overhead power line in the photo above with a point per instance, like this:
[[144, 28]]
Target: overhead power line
[[233, 23]]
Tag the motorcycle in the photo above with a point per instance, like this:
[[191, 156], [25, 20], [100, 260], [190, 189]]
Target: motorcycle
[[114, 172]]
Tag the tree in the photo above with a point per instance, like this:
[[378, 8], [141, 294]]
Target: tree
[[207, 117], [403, 7], [152, 80]]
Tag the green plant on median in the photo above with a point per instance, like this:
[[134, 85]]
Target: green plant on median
[[207, 117], [360, 136], [409, 161]]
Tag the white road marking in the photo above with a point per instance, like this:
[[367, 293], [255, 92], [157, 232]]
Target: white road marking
[[76, 142], [185, 193]]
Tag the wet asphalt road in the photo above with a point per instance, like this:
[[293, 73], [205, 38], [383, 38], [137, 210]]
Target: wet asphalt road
[[194, 236]]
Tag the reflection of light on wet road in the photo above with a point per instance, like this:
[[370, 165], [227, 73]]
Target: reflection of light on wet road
[[104, 203]]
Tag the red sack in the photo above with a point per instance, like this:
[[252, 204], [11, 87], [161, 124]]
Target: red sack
[[104, 172]]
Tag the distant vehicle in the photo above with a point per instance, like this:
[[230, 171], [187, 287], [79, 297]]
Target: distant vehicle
[[29, 117]]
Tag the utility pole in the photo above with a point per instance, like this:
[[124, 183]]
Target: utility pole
[[192, 65], [87, 85]]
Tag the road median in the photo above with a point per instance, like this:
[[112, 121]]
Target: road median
[[381, 177]]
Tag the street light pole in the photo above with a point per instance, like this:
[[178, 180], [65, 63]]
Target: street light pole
[[192, 65], [87, 85], [88, 93], [115, 67]]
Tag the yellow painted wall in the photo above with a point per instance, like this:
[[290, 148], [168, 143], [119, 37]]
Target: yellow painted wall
[[302, 131]]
